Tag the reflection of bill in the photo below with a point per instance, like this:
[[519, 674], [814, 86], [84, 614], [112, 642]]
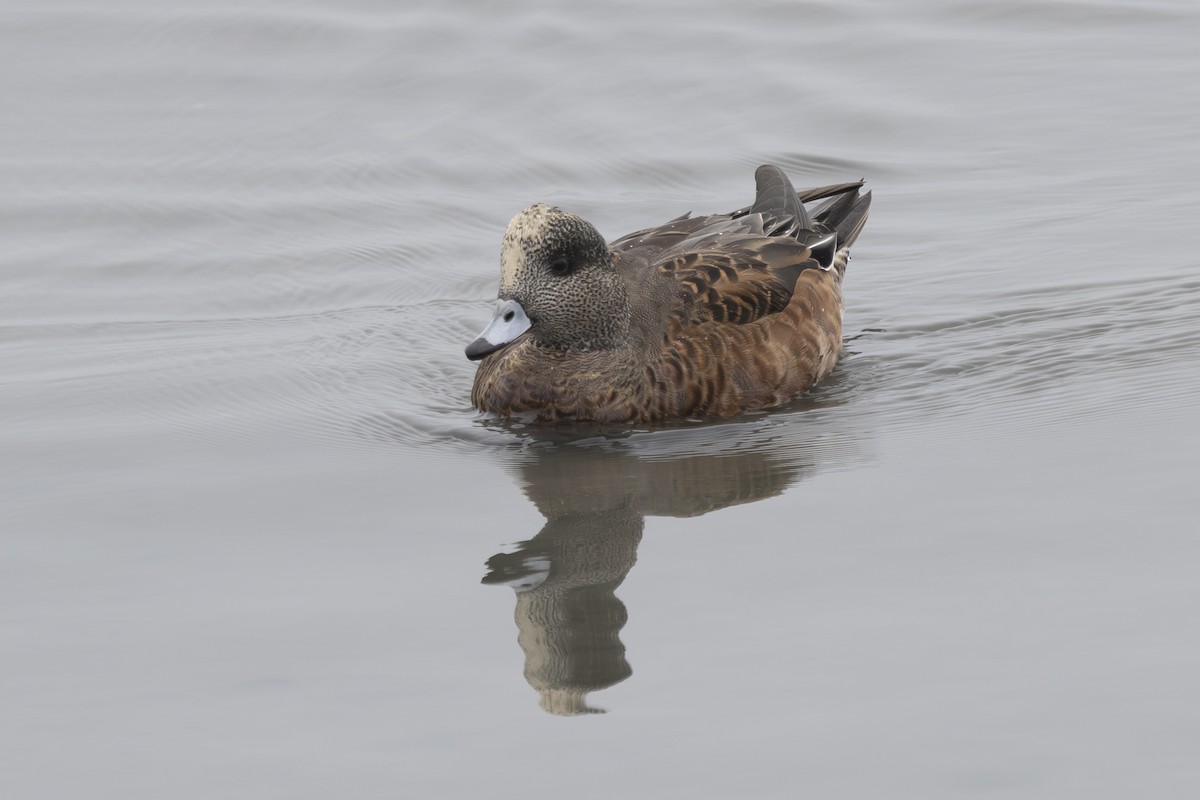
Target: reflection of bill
[[595, 499]]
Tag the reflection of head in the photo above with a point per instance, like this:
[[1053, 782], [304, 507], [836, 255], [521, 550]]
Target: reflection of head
[[568, 616]]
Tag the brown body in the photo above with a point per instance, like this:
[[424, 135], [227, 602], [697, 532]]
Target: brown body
[[726, 313], [705, 368]]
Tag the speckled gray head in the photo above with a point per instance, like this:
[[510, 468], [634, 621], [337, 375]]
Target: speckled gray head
[[557, 282]]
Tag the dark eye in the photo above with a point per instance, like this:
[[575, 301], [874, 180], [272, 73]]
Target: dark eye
[[560, 266]]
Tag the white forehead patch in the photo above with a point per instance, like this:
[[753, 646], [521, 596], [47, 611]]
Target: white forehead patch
[[524, 229]]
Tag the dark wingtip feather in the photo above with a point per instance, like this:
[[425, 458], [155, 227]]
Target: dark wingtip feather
[[775, 195]]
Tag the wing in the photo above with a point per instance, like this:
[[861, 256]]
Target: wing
[[740, 267], [744, 280]]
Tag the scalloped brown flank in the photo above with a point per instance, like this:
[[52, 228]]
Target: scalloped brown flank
[[701, 317]]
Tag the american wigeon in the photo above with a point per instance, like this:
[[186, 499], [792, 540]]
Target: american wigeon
[[703, 316]]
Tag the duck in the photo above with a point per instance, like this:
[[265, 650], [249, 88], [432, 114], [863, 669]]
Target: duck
[[706, 316]]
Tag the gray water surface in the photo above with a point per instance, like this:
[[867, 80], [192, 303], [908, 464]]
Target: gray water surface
[[255, 543]]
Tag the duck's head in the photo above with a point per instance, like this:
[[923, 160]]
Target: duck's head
[[557, 281]]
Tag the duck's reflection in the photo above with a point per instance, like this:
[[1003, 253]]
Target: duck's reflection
[[595, 496]]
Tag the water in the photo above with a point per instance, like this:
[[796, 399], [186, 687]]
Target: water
[[255, 542]]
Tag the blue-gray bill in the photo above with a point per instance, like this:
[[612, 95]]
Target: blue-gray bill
[[508, 322]]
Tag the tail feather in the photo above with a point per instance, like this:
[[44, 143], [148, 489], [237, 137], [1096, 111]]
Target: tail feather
[[822, 192], [849, 221], [845, 211]]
